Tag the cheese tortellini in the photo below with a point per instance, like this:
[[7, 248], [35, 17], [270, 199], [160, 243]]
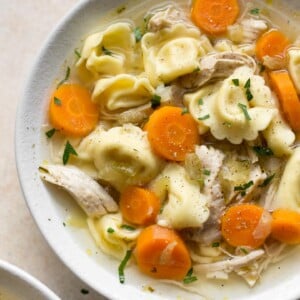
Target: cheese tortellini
[[122, 156], [294, 66], [120, 93], [185, 205], [288, 195], [172, 52], [110, 236], [226, 110], [107, 53]]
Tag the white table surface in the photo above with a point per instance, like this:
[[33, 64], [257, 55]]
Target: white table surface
[[24, 26]]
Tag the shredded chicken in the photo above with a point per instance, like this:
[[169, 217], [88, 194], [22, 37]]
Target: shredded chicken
[[90, 195], [274, 63], [215, 67]]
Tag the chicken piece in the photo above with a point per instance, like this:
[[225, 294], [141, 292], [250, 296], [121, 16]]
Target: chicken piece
[[215, 67], [90, 195], [167, 18]]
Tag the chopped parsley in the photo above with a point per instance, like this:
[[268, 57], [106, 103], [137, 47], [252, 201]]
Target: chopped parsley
[[227, 124], [110, 230], [244, 250], [204, 118], [255, 11], [69, 150], [128, 227], [262, 151], [215, 244], [155, 101], [138, 34], [236, 82], [84, 291], [106, 51], [267, 180], [196, 70], [244, 109], [77, 53], [57, 101], [243, 187], [123, 265], [249, 95], [68, 72], [247, 84], [50, 133], [200, 101], [206, 172], [189, 278], [121, 9], [184, 111]]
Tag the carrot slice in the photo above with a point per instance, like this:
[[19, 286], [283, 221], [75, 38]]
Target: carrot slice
[[271, 43], [171, 133], [215, 16], [161, 253], [286, 226], [287, 94], [240, 223], [72, 111], [139, 206]]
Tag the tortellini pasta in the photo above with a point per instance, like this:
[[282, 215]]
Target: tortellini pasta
[[122, 156], [227, 112], [289, 188], [294, 66], [122, 92], [110, 237], [172, 52], [107, 53], [185, 205]]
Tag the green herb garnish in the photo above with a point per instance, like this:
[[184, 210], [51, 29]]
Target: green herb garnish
[[155, 101], [206, 172], [254, 11], [50, 133], [110, 230], [267, 180], [68, 72], [204, 118], [123, 265], [244, 250], [196, 70], [57, 101], [262, 151], [138, 34], [121, 9], [128, 227], [69, 150], [227, 124], [84, 291], [243, 187], [189, 278], [200, 101], [77, 53], [249, 95], [247, 84], [106, 51], [244, 109], [184, 111], [236, 82], [215, 244]]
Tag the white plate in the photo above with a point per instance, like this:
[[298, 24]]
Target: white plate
[[17, 284], [49, 206]]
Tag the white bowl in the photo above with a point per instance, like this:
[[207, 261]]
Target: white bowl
[[48, 205], [17, 284]]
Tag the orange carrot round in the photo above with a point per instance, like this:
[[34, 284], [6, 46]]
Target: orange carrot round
[[283, 86], [215, 16], [271, 43], [161, 253], [239, 223], [171, 133], [286, 226], [139, 206], [72, 111]]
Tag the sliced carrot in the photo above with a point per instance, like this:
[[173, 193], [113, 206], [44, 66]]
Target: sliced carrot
[[286, 226], [161, 253], [239, 224], [215, 16], [139, 206], [283, 86], [271, 43], [171, 133], [72, 111]]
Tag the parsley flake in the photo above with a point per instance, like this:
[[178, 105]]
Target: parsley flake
[[57, 101], [204, 118], [189, 278], [215, 244], [197, 69], [138, 34], [255, 11], [267, 180], [247, 84], [206, 172], [68, 72], [155, 101], [244, 250], [69, 150], [123, 265], [106, 51], [50, 133], [184, 111], [200, 101], [128, 227], [84, 291], [243, 187], [236, 82], [249, 95], [244, 109], [110, 230], [77, 53], [262, 151]]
